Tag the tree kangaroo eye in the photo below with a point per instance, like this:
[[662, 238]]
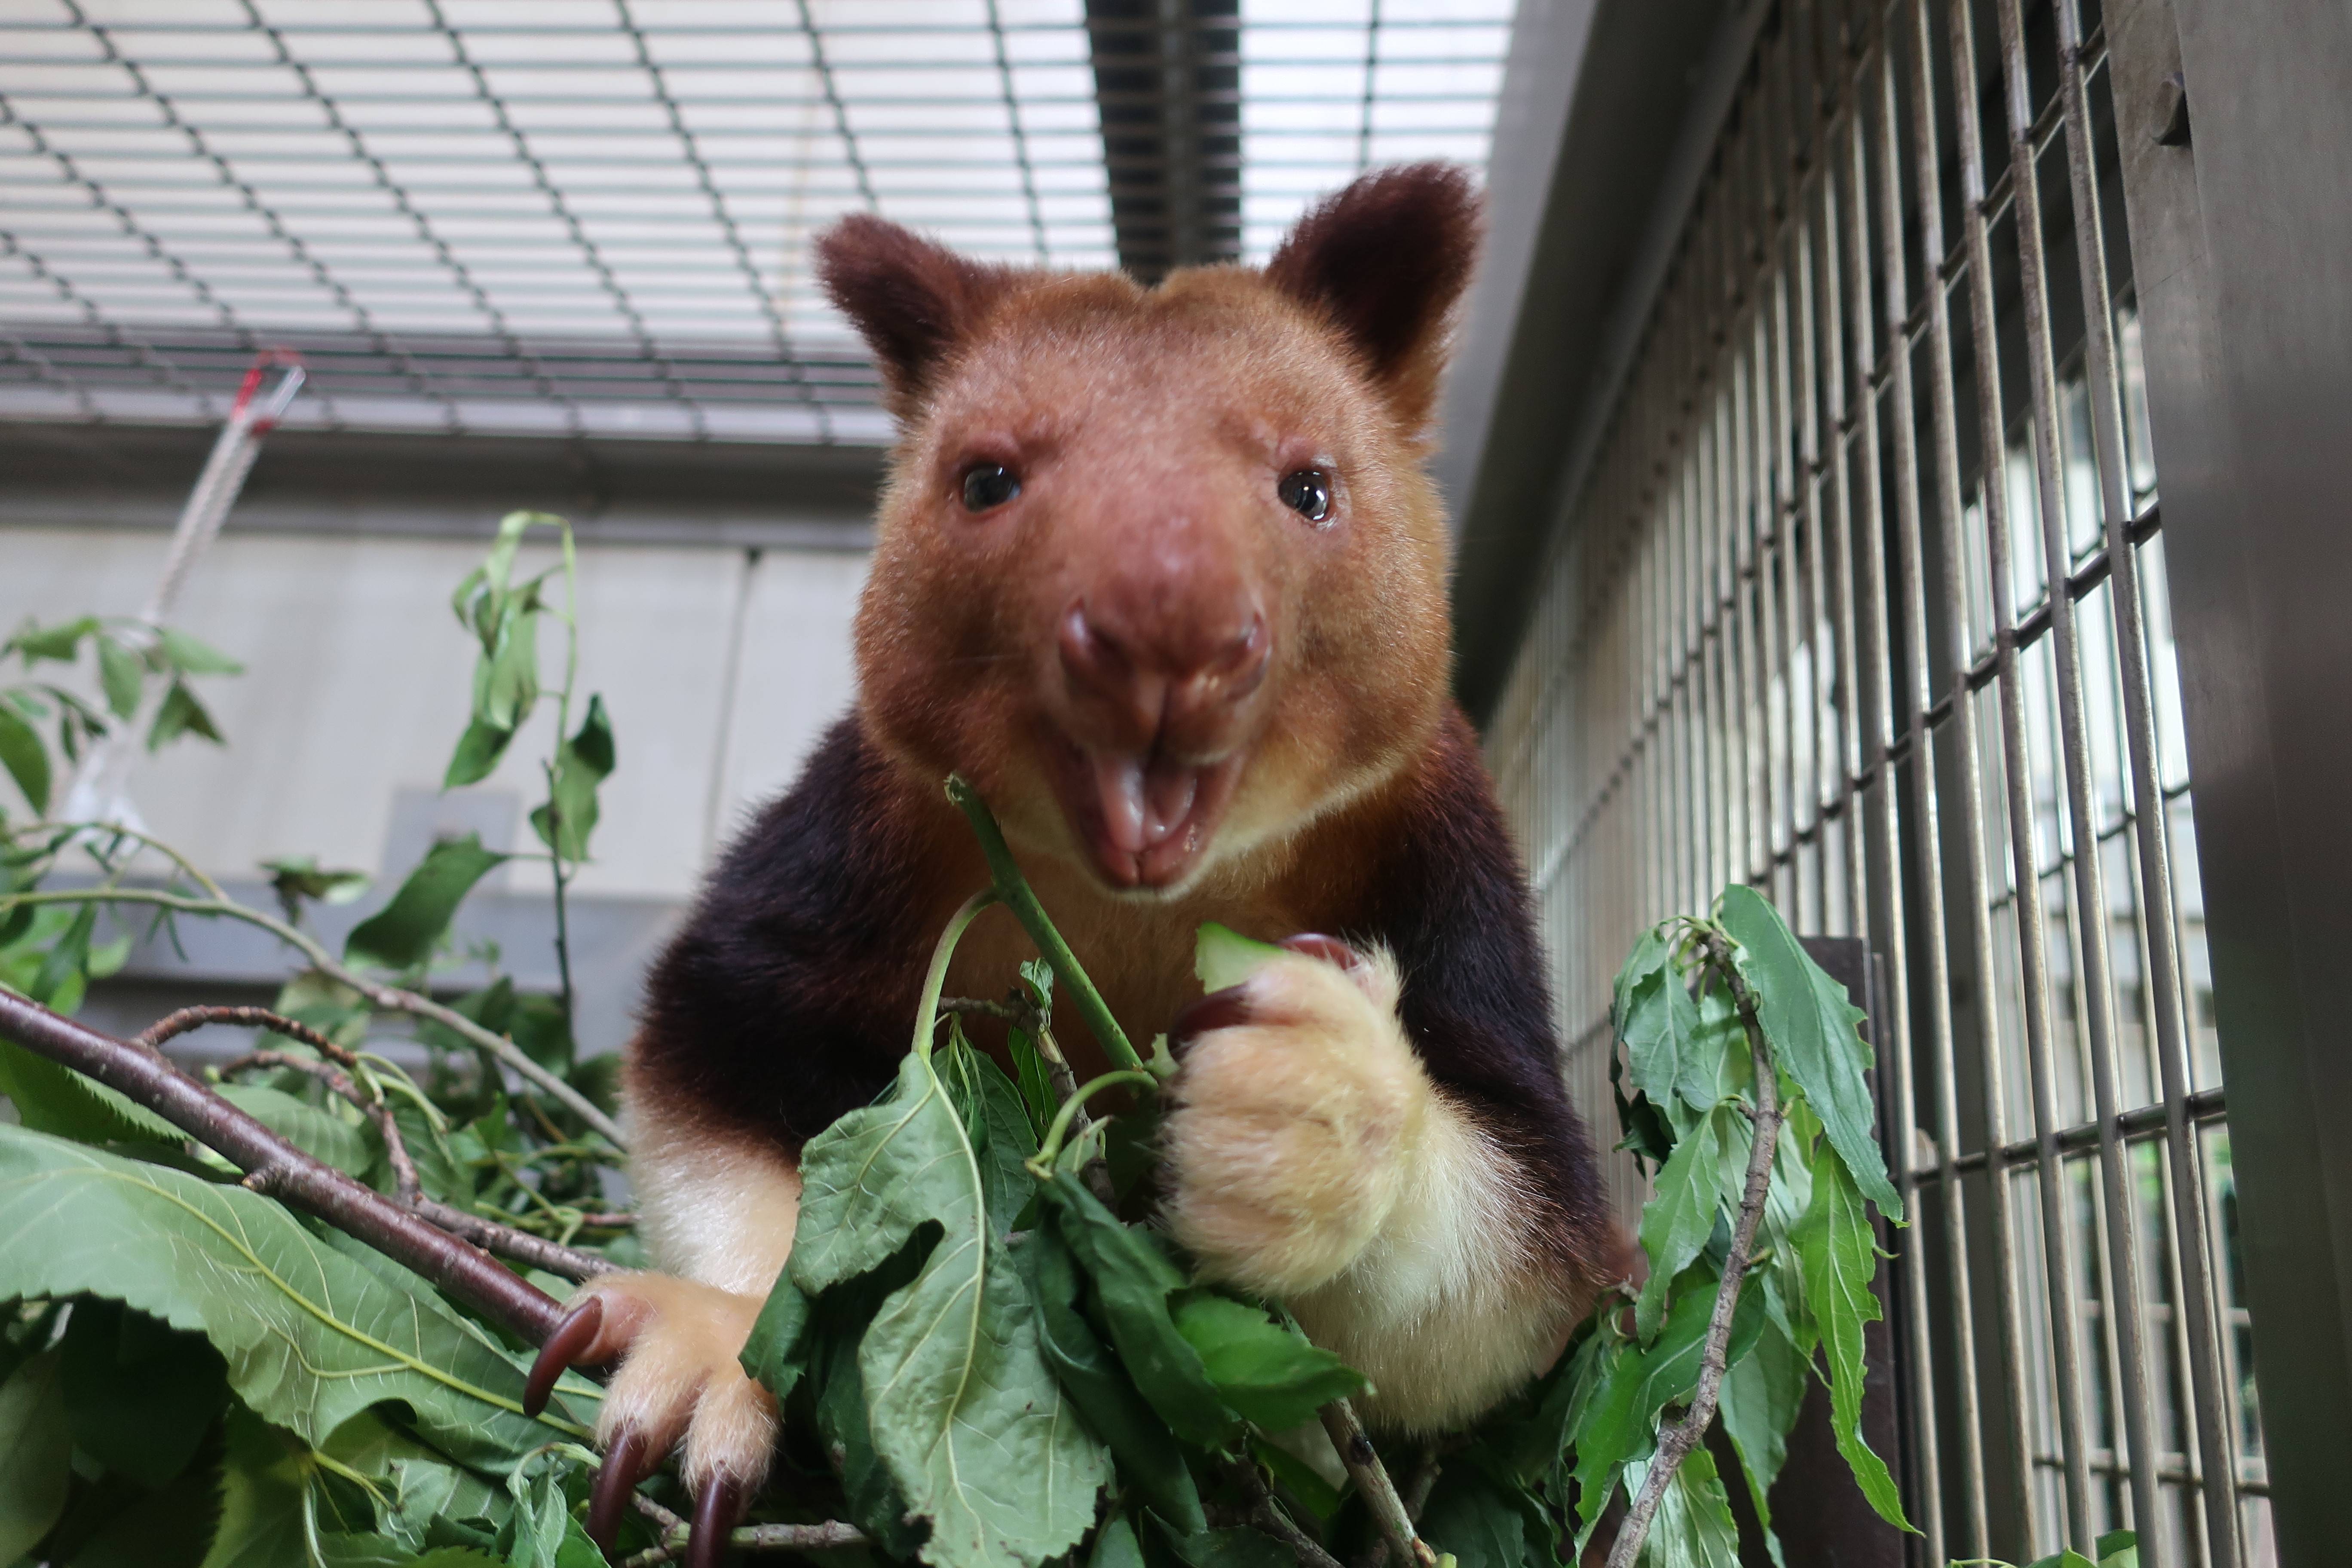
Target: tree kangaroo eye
[[989, 485], [1308, 492]]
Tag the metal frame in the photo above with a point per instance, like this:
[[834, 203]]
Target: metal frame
[[1857, 592]]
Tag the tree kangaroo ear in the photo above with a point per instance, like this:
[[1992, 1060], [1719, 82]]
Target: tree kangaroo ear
[[1385, 260], [912, 300]]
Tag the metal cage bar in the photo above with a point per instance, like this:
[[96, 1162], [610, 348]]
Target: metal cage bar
[[1862, 602]]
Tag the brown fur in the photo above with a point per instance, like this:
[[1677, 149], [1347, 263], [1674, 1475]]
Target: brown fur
[[1394, 1155]]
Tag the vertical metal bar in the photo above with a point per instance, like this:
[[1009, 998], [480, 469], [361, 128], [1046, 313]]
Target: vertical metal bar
[[2160, 921], [1887, 859], [2096, 986], [2017, 769], [1919, 702]]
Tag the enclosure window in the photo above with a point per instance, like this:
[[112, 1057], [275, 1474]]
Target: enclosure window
[[1864, 604]]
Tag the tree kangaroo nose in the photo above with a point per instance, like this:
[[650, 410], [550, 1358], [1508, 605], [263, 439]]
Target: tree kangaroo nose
[[1183, 664]]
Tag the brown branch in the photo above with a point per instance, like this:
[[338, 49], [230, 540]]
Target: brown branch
[[276, 1167], [407, 1189], [1372, 1477], [1416, 1497], [1676, 1442], [1268, 1515]]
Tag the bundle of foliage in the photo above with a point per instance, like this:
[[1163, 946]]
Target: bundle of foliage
[[985, 1357]]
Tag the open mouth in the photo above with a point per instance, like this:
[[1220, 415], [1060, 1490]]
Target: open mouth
[[1146, 819]]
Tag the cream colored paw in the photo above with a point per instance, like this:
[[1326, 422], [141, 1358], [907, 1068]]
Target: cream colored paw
[[1296, 1110], [680, 1378]]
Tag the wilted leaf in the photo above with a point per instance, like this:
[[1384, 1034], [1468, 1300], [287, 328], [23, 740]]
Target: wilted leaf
[[1841, 1256], [478, 753], [309, 1337], [180, 714], [582, 763], [1098, 1385], [1812, 1029], [26, 757], [401, 934], [190, 657], [56, 642], [36, 1455], [1132, 1281], [777, 1351], [965, 1412], [120, 674], [1267, 1372]]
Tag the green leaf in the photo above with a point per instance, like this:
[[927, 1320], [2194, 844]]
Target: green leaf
[[1476, 1518], [1715, 1064], [1236, 1546], [295, 880], [1223, 958], [26, 758], [36, 1455], [310, 1338], [139, 1397], [1761, 1397], [994, 1120], [506, 678], [262, 1483], [1812, 1029], [1681, 1214], [120, 674], [189, 656], [1656, 1018], [1098, 1385], [478, 753], [180, 714], [1266, 1371], [2119, 1549], [1132, 1279], [581, 763], [1841, 1256], [777, 1351], [1116, 1545], [62, 976], [2069, 1559], [51, 1098], [1694, 1527], [1303, 1481], [316, 1131], [58, 642], [971, 1422], [1036, 1084], [401, 934]]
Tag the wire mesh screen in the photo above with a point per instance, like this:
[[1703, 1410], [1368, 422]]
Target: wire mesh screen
[[1863, 602], [591, 216]]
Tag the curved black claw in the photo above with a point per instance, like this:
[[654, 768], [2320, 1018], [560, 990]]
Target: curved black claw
[[626, 1464], [715, 1514], [1217, 1010], [574, 1332]]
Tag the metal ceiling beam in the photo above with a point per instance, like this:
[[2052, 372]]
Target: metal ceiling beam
[[1168, 86], [736, 495]]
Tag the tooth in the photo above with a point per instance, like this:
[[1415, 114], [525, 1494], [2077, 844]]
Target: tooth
[[1118, 786], [1170, 800]]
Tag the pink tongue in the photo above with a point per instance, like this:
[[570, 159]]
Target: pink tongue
[[1119, 783], [1142, 808], [1168, 799]]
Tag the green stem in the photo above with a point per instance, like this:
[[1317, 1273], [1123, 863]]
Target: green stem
[[1014, 889], [1042, 1164], [927, 1009], [555, 809]]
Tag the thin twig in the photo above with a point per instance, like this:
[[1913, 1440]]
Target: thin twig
[[1416, 1497], [276, 1167], [753, 1538], [390, 998], [1372, 1477], [1676, 1442], [408, 1188], [1268, 1516]]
